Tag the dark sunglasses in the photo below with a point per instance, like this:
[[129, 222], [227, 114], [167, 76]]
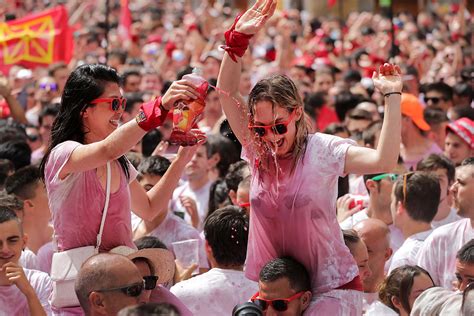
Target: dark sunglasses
[[278, 128], [280, 305], [115, 103], [150, 282], [132, 290], [50, 86], [435, 100]]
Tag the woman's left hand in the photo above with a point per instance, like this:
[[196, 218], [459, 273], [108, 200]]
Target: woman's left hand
[[388, 79]]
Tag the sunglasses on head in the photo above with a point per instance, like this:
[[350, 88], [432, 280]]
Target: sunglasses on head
[[115, 103], [150, 282], [392, 176], [280, 305], [132, 290], [51, 86], [435, 100], [279, 128]]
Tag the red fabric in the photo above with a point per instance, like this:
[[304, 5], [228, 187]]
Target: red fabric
[[355, 284], [125, 21], [236, 42], [4, 110], [325, 117], [169, 48], [36, 40], [331, 3], [150, 115]]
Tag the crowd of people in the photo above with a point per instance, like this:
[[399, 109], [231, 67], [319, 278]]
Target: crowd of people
[[330, 173]]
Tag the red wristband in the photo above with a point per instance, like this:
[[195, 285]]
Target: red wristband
[[236, 42], [151, 115]]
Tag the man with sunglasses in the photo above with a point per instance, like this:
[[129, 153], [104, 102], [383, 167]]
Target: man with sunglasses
[[438, 253], [107, 283], [439, 94], [415, 200], [284, 288], [47, 91]]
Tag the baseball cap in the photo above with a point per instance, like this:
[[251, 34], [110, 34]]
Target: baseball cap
[[162, 260], [464, 128], [217, 55], [412, 108]]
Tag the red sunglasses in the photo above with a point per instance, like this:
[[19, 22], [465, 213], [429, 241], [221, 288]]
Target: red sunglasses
[[115, 103], [280, 305], [277, 128], [244, 205]]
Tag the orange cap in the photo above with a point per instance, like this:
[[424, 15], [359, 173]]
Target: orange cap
[[412, 108]]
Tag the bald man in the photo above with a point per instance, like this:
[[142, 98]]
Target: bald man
[[376, 236], [107, 283]]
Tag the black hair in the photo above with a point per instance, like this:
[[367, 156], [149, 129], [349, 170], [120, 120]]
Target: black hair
[[351, 238], [48, 110], [150, 141], [7, 214], [461, 111], [55, 67], [312, 102], [226, 231], [287, 267], [236, 174], [435, 161], [132, 99], [23, 182], [12, 132], [421, 196], [466, 253], [120, 54], [442, 88], [345, 101], [334, 128], [85, 83], [228, 154], [6, 168], [218, 196], [17, 151], [212, 84], [149, 242], [468, 162], [11, 201], [150, 309], [154, 165], [129, 73]]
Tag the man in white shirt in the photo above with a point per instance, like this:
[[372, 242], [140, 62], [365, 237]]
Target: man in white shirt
[[445, 170], [22, 291], [415, 201], [217, 291], [376, 236], [438, 253]]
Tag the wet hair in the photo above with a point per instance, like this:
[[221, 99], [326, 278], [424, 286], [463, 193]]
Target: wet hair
[[150, 309], [399, 284], [17, 151], [149, 242], [442, 88], [466, 253], [154, 165], [280, 91], [23, 183], [86, 83], [422, 195], [226, 231], [434, 162], [287, 267]]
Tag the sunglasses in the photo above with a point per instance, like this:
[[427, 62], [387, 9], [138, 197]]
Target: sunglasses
[[244, 205], [278, 128], [392, 176], [435, 100], [132, 290], [50, 86], [115, 103], [150, 282], [406, 176], [280, 305]]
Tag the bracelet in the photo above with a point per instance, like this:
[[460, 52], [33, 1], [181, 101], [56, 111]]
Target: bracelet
[[390, 93]]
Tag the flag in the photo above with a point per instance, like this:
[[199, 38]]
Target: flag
[[36, 40], [331, 3], [125, 21]]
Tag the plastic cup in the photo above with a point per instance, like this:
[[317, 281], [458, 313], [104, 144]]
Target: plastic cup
[[186, 252]]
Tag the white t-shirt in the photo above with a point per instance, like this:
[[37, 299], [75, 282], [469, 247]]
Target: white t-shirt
[[44, 257], [215, 292], [451, 218], [380, 309], [201, 197], [438, 253], [406, 254], [28, 260], [13, 302]]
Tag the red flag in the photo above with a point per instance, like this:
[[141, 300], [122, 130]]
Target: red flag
[[331, 3], [36, 40], [125, 21]]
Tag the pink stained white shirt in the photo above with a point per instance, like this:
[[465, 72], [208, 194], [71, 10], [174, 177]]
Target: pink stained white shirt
[[13, 302], [438, 253], [407, 253], [76, 204], [295, 214], [215, 292]]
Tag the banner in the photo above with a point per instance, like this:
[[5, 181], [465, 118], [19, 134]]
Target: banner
[[36, 40], [125, 22]]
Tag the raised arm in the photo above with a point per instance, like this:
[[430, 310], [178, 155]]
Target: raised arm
[[361, 160], [229, 76], [16, 111]]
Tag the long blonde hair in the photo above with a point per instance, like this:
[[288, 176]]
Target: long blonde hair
[[280, 91]]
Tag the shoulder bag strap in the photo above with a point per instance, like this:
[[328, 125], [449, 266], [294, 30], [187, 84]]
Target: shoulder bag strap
[[106, 207]]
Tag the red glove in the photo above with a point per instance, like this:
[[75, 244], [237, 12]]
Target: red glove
[[151, 115], [236, 42]]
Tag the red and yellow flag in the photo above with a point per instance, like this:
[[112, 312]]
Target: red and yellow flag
[[36, 40]]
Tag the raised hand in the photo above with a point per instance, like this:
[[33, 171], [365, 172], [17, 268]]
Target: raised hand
[[388, 79], [179, 90], [16, 275], [5, 89], [255, 17]]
